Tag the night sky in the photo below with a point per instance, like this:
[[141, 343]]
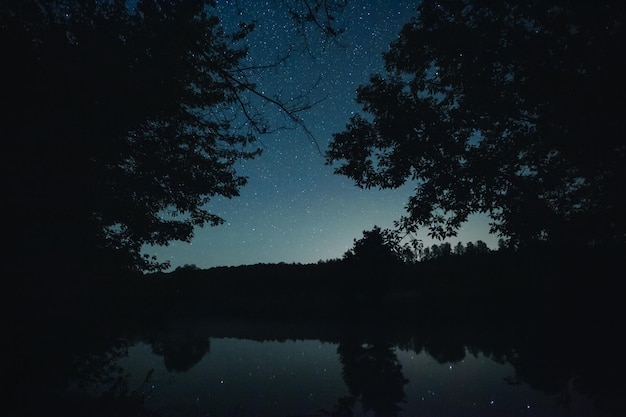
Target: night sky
[[294, 209]]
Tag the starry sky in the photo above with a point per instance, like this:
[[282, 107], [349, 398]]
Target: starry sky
[[294, 209]]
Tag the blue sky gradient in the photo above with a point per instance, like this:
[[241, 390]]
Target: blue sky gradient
[[294, 209]]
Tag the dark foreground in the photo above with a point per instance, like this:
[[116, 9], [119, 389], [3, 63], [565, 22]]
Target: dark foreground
[[559, 328]]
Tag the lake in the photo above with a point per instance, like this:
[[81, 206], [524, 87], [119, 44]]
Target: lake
[[211, 368], [300, 378], [493, 337]]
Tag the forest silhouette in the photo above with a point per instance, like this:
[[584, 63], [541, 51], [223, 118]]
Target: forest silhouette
[[123, 132], [122, 127]]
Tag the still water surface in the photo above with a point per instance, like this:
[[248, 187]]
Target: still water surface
[[242, 377]]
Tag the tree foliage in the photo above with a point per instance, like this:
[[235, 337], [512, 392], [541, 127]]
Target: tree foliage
[[445, 250], [511, 108], [383, 247], [125, 123], [371, 248], [373, 264]]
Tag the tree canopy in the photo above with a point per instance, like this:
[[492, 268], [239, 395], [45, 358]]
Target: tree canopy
[[376, 247], [124, 121], [510, 108]]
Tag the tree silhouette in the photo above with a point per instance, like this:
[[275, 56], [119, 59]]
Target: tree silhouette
[[123, 124], [372, 263], [437, 251], [459, 249], [374, 247], [181, 348], [481, 247], [506, 108], [373, 375]]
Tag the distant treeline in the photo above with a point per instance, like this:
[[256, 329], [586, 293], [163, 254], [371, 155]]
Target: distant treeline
[[470, 279], [445, 249]]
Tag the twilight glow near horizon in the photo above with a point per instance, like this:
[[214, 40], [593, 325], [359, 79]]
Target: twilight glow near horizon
[[294, 209]]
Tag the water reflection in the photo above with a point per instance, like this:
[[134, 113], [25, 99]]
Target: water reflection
[[352, 376], [373, 375], [243, 377], [182, 346], [242, 368]]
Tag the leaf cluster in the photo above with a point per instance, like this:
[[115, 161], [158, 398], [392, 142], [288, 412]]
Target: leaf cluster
[[506, 108], [124, 124]]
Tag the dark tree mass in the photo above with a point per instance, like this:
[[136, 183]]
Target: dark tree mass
[[125, 119], [511, 108], [114, 117]]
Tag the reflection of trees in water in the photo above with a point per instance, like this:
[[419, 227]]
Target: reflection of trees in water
[[449, 348], [99, 371], [562, 362], [83, 377], [556, 362], [71, 372], [181, 347], [373, 375]]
